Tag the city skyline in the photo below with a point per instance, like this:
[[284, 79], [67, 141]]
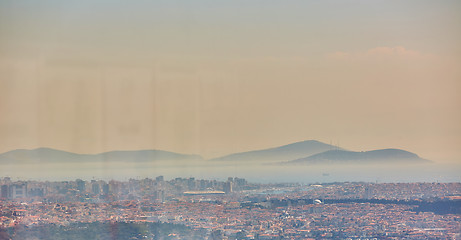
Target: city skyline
[[233, 209]]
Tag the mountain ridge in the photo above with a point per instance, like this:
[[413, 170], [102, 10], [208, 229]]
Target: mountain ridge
[[302, 152], [389, 155], [44, 154], [281, 153]]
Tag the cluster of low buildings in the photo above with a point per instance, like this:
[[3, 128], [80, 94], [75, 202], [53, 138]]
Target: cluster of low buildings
[[237, 209], [388, 191]]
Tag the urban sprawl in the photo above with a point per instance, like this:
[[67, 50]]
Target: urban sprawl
[[237, 209]]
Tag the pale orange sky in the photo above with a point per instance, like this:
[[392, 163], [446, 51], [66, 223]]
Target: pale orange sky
[[214, 79]]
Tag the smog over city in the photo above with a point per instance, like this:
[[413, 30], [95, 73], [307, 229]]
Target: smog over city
[[230, 120]]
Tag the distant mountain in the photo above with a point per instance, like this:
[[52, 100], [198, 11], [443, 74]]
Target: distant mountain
[[279, 154], [369, 157], [48, 155], [306, 152]]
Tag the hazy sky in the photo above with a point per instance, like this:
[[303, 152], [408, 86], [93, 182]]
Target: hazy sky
[[216, 77]]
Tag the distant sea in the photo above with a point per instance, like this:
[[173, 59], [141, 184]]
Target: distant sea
[[432, 172]]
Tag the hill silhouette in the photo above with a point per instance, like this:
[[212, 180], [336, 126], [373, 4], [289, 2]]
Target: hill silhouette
[[282, 153], [48, 155], [368, 157]]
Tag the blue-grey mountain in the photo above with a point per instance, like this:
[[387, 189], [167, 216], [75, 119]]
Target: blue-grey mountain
[[48, 155], [305, 152], [369, 157], [279, 154]]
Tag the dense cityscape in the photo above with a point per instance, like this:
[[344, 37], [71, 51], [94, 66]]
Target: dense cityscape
[[189, 208], [230, 120]]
